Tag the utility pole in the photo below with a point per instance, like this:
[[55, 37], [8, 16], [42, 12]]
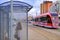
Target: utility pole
[[36, 13]]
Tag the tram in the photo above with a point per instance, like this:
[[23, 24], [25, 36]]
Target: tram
[[48, 20]]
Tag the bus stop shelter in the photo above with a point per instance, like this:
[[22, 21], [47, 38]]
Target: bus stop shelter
[[20, 12]]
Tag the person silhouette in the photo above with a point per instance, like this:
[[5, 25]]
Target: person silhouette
[[18, 29]]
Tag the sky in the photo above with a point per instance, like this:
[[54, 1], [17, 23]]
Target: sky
[[36, 6], [34, 3]]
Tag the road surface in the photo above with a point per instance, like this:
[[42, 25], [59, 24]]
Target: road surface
[[39, 33]]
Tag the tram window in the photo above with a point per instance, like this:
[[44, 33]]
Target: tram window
[[39, 19], [33, 19], [59, 17], [43, 19], [48, 19], [36, 19]]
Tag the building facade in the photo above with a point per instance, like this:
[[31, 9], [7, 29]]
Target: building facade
[[55, 7], [45, 6]]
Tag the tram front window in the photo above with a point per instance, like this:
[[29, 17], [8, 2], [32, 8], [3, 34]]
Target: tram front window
[[48, 19]]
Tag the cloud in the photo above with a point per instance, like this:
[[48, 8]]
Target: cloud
[[32, 11], [36, 8], [20, 0], [38, 11], [36, 5], [51, 0], [38, 1]]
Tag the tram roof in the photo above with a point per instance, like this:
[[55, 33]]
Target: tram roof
[[42, 15]]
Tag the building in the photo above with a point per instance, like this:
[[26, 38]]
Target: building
[[41, 8], [55, 8], [30, 18], [45, 6], [20, 10]]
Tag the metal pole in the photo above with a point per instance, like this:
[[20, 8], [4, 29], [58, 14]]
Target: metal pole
[[10, 33], [36, 12], [27, 25]]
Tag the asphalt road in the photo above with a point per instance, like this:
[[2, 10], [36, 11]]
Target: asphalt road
[[39, 33]]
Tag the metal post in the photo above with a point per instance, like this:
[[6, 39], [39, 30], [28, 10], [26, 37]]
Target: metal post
[[27, 25], [10, 33], [36, 12]]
